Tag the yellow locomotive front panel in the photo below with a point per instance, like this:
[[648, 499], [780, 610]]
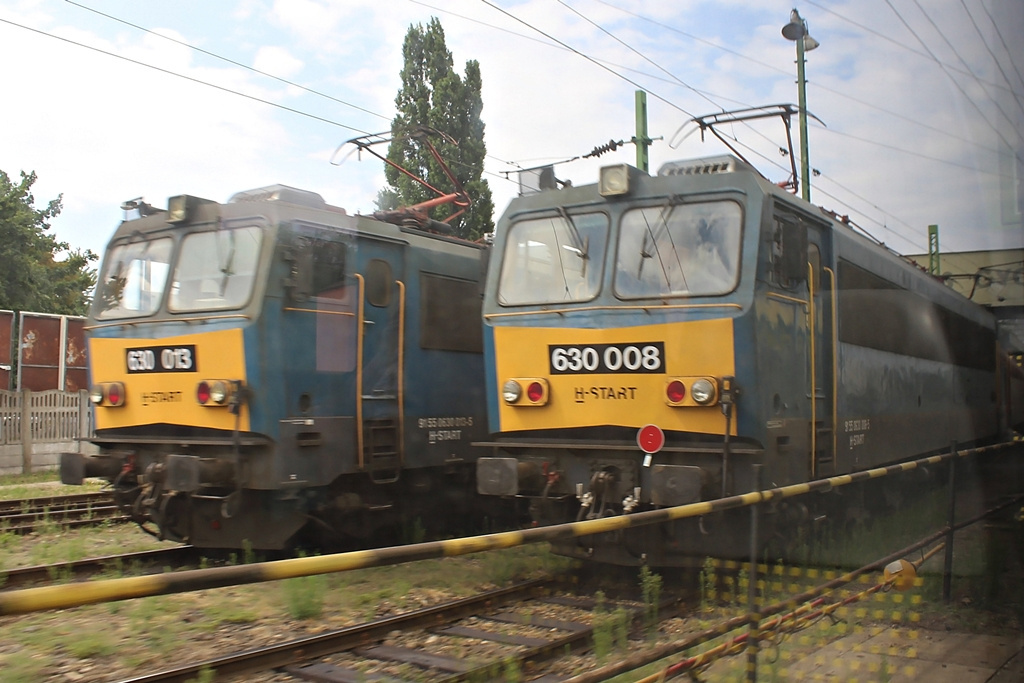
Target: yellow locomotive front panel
[[670, 375], [173, 380]]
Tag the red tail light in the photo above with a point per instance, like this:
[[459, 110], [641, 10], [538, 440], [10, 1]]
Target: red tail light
[[109, 394], [675, 391], [535, 391], [115, 394], [203, 393]]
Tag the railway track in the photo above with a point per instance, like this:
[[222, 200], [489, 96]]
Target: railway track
[[523, 628], [78, 570], [76, 510]]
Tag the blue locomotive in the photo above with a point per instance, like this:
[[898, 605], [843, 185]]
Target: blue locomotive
[[748, 325], [273, 367]]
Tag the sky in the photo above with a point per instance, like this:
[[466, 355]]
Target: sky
[[918, 105]]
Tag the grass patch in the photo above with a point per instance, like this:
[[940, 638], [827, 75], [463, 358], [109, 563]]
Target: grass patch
[[92, 644], [21, 667], [15, 486], [304, 595]]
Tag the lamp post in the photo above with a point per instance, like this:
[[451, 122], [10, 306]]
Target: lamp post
[[796, 30]]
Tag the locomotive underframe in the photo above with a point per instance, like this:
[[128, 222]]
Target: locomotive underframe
[[205, 493], [619, 480]]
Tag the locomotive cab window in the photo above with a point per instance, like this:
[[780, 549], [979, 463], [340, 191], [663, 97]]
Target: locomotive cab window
[[379, 280], [216, 270], [318, 269], [677, 249], [788, 251], [133, 279], [554, 259]]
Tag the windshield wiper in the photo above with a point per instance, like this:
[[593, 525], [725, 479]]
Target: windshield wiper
[[226, 268], [651, 238], [579, 245]]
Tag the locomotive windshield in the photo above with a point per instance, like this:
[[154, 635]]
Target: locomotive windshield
[[553, 259], [133, 281], [679, 250], [215, 270]]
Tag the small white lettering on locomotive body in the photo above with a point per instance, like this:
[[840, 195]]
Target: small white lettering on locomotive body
[[444, 435], [439, 429], [857, 429], [861, 425], [584, 394]]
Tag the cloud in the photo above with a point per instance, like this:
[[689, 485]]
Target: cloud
[[903, 147], [277, 61]]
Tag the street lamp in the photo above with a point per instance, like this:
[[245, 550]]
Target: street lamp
[[796, 30]]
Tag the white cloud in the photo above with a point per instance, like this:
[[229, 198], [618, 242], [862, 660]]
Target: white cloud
[[277, 61]]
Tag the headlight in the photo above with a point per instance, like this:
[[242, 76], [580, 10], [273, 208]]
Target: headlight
[[703, 392], [218, 392], [213, 392], [96, 394], [614, 180], [511, 391]]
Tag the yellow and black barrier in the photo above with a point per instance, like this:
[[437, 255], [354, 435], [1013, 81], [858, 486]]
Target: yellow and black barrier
[[111, 590]]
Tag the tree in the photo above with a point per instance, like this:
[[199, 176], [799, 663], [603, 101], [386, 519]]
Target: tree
[[32, 278], [434, 95]]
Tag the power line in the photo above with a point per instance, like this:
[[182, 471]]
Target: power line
[[919, 154], [249, 68], [988, 48], [814, 84], [995, 27], [586, 57], [836, 92], [187, 78], [967, 67], [897, 43], [229, 61], [956, 84]]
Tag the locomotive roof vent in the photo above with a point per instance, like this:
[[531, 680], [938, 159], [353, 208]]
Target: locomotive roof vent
[[705, 166], [280, 193]]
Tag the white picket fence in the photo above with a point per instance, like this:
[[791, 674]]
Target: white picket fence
[[37, 426]]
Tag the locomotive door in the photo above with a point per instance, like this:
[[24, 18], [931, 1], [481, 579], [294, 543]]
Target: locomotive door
[[380, 360], [822, 342]]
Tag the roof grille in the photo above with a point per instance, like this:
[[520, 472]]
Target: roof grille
[[709, 166]]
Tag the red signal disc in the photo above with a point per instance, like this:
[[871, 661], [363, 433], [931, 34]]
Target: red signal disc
[[650, 438]]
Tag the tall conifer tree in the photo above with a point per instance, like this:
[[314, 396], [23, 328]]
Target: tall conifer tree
[[434, 95]]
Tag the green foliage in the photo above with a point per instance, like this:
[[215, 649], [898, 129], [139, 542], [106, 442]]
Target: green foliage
[[434, 95], [32, 277], [206, 675], [304, 595], [650, 587], [610, 629], [89, 644], [708, 585]]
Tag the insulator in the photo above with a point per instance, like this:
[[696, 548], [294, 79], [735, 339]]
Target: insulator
[[610, 147]]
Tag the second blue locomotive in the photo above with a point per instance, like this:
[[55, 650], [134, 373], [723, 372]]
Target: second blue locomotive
[[744, 323]]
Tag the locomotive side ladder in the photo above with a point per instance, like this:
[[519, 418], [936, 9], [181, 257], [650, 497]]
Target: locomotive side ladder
[[380, 427], [823, 362]]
